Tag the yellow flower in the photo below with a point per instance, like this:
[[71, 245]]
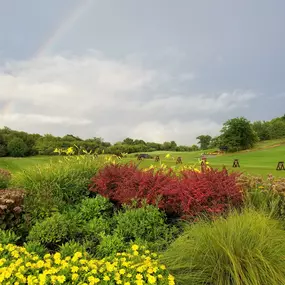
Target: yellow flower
[[106, 278], [151, 279], [74, 269], [61, 279], [122, 271], [74, 276], [135, 247], [139, 276]]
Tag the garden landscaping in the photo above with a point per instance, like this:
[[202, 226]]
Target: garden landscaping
[[101, 220]]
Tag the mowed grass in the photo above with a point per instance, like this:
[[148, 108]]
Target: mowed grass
[[262, 160], [19, 164]]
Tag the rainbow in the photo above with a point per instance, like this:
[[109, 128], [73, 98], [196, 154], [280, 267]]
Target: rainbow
[[66, 24]]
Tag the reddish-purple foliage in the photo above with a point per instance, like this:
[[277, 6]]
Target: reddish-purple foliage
[[190, 194]]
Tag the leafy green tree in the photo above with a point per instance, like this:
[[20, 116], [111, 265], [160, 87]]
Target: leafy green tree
[[17, 147], [204, 141], [238, 134], [277, 128], [262, 129], [194, 147]]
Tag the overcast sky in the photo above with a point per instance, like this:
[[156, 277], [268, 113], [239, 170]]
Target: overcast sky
[[156, 70]]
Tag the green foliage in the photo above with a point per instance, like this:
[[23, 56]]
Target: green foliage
[[109, 245], [7, 237], [70, 248], [35, 247], [265, 201], [51, 187], [238, 134], [244, 249], [17, 147], [98, 207], [93, 229], [147, 223], [53, 231], [262, 130], [204, 141]]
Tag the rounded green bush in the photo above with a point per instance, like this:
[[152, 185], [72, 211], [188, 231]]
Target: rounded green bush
[[243, 249], [147, 224]]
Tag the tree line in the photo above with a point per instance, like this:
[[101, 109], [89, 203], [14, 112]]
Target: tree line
[[240, 134], [236, 134], [20, 144]]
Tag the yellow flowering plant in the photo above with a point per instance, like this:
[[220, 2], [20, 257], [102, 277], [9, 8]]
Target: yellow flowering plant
[[137, 266]]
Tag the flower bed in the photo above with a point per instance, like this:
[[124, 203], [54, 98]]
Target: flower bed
[[138, 266]]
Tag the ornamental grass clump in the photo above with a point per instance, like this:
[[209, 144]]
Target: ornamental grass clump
[[136, 266], [243, 249]]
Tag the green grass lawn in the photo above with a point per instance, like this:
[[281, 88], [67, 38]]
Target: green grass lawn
[[18, 164], [261, 160]]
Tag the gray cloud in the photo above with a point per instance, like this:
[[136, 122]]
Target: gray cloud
[[108, 98]]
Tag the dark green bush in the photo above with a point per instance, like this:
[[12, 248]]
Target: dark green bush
[[7, 237], [17, 147], [52, 187], [244, 249]]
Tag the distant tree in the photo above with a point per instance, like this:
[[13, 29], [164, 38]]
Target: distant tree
[[194, 147], [215, 142], [204, 141], [238, 134], [17, 147], [128, 141], [262, 129], [277, 128]]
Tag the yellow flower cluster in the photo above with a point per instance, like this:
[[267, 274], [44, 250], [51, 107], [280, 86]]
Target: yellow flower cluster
[[137, 266]]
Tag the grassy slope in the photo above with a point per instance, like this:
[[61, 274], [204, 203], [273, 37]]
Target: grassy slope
[[262, 160]]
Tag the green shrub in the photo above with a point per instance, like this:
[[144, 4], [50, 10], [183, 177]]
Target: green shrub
[[70, 248], [244, 249], [109, 245], [35, 248], [52, 187], [7, 237], [91, 208], [93, 229], [5, 177], [53, 231], [147, 224]]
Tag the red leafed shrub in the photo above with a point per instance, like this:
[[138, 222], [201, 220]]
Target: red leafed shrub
[[213, 191], [124, 183], [189, 194]]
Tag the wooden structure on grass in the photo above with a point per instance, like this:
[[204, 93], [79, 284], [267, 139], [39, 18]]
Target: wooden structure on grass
[[280, 165], [179, 160], [236, 163]]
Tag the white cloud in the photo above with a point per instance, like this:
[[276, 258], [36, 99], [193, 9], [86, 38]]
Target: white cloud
[[91, 95]]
